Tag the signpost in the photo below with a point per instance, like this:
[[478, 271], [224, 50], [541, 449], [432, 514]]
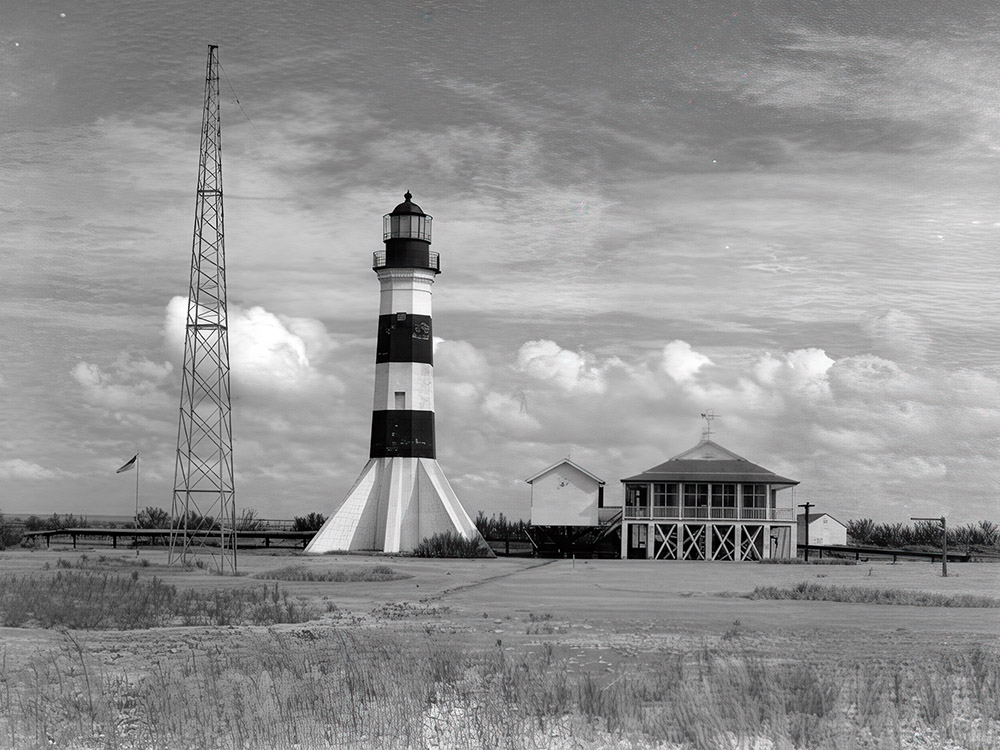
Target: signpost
[[944, 542]]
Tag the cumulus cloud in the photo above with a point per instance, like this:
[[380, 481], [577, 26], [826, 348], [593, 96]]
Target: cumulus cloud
[[131, 383], [862, 433], [267, 352], [459, 360], [509, 413], [571, 371], [897, 335], [17, 468], [681, 362]]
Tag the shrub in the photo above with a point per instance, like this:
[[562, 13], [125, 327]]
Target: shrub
[[453, 544], [309, 522], [53, 522], [499, 527], [10, 533], [248, 521], [153, 518]]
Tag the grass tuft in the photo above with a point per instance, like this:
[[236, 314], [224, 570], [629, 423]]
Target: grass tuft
[[864, 595], [374, 574], [800, 561]]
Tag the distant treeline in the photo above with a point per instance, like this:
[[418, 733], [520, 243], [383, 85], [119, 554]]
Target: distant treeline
[[867, 533]]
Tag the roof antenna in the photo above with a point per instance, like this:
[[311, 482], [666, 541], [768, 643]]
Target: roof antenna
[[708, 415]]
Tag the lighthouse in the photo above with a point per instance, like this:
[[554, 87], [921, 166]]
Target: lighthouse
[[402, 495]]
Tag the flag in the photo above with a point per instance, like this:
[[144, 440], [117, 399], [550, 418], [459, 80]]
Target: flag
[[128, 464]]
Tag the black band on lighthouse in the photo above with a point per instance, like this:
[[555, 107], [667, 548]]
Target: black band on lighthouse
[[404, 338], [402, 434]]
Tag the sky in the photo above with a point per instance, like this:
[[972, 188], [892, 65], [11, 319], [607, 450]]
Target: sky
[[784, 211]]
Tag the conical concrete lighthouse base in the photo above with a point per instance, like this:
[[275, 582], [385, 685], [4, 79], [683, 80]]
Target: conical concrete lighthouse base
[[395, 504]]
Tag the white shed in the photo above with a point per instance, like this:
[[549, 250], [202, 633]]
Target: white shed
[[824, 529], [566, 494]]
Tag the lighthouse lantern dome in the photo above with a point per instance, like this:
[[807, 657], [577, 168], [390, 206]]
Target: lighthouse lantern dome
[[407, 221]]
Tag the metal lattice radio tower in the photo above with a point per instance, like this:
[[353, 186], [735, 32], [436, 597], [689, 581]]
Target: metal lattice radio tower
[[203, 516]]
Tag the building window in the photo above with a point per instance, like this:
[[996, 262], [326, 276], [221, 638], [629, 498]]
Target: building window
[[754, 501], [696, 501], [724, 501], [636, 500], [664, 500], [400, 400], [724, 495]]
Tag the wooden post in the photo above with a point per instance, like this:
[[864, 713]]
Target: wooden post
[[944, 542], [944, 547]]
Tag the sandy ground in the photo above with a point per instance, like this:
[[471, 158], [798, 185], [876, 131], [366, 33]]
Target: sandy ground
[[627, 607]]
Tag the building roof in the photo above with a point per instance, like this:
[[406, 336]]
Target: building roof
[[801, 518], [557, 464], [407, 207], [709, 462]]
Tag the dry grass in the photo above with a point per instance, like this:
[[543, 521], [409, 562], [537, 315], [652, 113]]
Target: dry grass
[[398, 671], [800, 561], [86, 600], [864, 595], [373, 574], [322, 688]]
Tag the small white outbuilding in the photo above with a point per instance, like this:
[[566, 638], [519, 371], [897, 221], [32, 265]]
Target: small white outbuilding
[[566, 494], [824, 529]]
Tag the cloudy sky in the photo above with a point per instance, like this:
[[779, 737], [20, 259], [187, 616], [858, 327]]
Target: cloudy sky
[[784, 211]]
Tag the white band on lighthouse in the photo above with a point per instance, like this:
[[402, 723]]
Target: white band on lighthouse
[[405, 290]]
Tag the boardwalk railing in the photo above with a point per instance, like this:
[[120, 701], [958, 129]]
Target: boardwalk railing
[[868, 552], [162, 536]]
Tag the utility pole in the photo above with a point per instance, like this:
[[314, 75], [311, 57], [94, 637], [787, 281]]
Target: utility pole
[[807, 506], [944, 541], [203, 514]]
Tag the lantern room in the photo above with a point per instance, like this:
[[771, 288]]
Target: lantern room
[[406, 233]]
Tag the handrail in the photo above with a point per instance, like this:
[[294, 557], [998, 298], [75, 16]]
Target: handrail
[[674, 512], [433, 260]]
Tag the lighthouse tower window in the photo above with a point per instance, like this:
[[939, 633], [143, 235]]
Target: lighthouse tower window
[[400, 400]]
